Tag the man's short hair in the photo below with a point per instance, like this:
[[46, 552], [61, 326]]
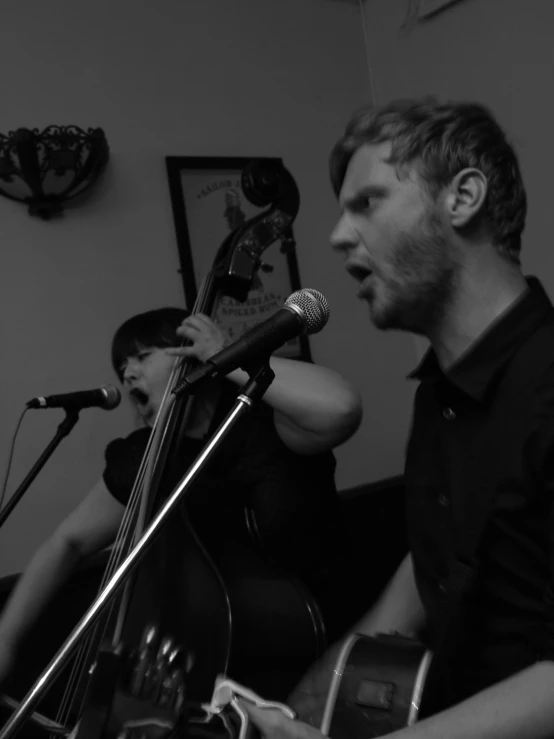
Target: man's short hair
[[439, 140]]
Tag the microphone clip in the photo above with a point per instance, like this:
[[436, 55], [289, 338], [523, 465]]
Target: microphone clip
[[261, 376], [258, 370]]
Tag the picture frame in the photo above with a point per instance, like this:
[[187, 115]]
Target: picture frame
[[208, 204]]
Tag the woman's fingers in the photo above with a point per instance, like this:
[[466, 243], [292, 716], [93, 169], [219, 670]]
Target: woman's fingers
[[205, 337], [181, 351], [198, 322]]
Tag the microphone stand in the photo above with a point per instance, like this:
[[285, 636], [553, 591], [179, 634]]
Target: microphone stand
[[65, 427], [261, 376]]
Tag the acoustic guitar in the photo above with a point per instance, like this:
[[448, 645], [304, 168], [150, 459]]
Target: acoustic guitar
[[377, 686]]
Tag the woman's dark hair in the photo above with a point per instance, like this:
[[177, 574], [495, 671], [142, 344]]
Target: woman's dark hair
[[153, 328], [439, 140]]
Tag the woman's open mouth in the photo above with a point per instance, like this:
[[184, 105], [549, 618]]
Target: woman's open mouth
[[139, 396]]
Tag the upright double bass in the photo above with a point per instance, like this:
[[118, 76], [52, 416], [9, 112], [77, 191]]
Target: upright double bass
[[157, 639]]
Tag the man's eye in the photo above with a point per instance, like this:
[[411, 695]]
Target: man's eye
[[143, 355], [364, 204]]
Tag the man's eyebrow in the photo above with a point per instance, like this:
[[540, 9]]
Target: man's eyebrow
[[364, 192]]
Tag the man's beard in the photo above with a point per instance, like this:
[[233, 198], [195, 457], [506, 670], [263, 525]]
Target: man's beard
[[418, 279]]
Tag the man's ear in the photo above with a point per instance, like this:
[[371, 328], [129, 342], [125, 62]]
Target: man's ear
[[465, 196]]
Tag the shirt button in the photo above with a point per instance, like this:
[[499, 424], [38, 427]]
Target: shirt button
[[443, 500], [449, 414]]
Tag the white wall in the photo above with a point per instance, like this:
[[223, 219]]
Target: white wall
[[498, 52], [241, 78], [201, 77]]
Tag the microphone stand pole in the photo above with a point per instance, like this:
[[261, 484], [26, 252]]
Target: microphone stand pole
[[65, 427], [261, 376]]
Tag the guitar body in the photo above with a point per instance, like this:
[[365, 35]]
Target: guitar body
[[377, 686]]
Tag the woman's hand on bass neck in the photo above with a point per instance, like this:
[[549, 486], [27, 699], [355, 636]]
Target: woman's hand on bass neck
[[206, 339]]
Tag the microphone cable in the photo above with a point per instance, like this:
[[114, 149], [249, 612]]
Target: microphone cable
[[10, 459]]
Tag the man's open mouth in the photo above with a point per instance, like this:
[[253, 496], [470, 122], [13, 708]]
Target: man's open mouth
[[358, 272]]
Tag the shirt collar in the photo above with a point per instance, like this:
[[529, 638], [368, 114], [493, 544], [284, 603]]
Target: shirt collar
[[476, 370]]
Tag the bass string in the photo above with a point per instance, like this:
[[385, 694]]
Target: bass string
[[83, 656], [129, 532]]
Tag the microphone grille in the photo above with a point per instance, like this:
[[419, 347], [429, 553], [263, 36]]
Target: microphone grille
[[313, 306], [112, 397]]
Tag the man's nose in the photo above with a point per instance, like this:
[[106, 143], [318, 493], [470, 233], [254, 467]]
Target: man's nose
[[343, 236]]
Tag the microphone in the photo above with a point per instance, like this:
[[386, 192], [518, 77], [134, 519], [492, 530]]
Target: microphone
[[106, 397], [304, 312]]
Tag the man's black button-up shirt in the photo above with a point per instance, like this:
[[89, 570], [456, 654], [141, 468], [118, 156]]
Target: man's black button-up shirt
[[487, 425]]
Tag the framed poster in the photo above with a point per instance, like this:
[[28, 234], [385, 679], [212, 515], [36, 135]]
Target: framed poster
[[208, 204]]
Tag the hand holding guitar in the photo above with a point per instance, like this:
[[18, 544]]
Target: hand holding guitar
[[309, 696], [273, 724]]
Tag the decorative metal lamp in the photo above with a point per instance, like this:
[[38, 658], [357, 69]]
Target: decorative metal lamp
[[46, 169]]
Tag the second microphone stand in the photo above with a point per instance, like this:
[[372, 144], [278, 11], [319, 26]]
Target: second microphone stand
[[65, 427]]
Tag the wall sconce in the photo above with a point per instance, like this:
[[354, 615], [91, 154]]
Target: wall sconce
[[46, 169]]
